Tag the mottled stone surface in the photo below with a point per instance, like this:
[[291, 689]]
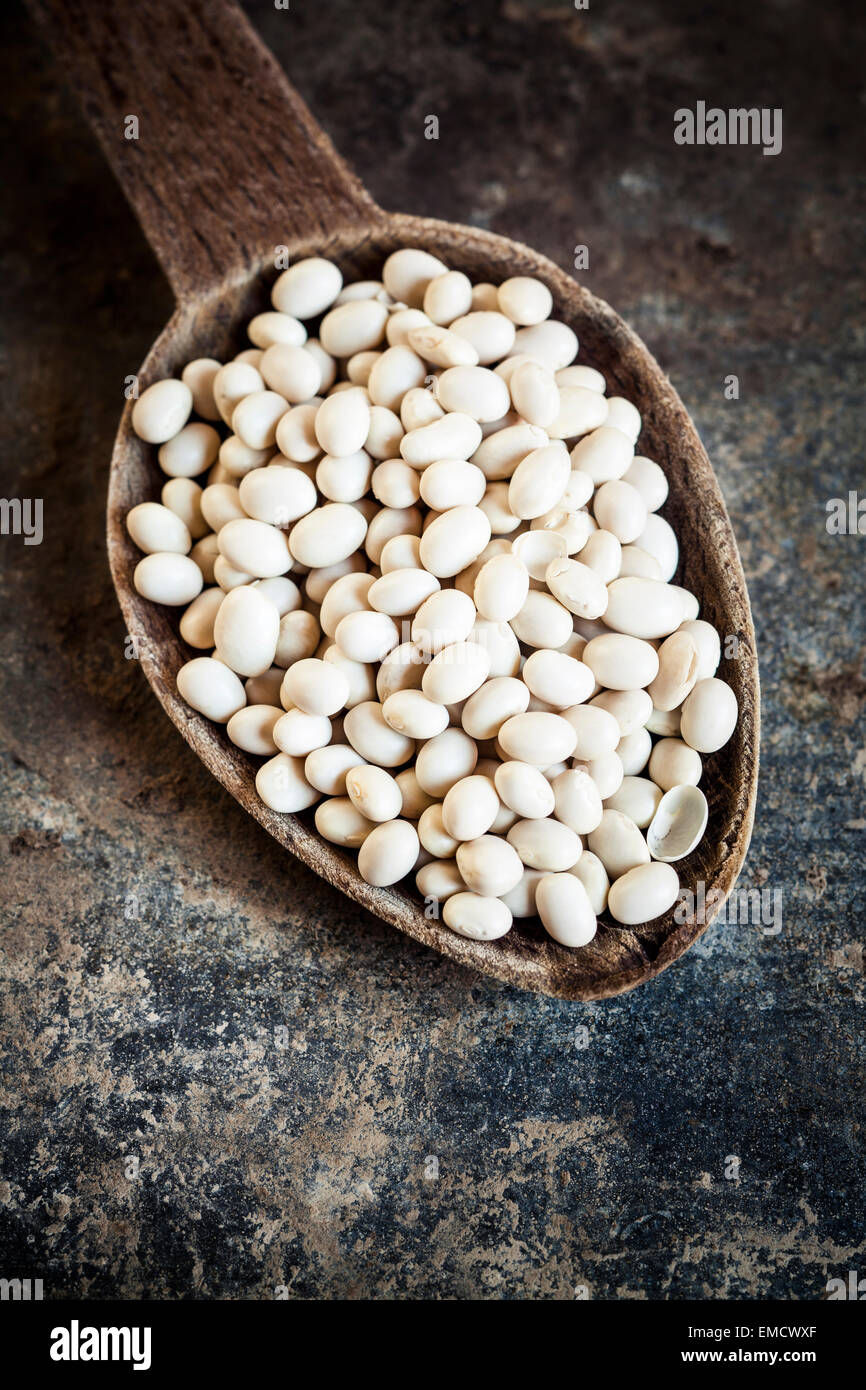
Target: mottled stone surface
[[313, 1100]]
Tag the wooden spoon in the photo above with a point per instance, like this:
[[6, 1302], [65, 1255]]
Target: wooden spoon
[[228, 165]]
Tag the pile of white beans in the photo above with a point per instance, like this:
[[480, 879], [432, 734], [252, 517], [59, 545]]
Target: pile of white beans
[[432, 587]]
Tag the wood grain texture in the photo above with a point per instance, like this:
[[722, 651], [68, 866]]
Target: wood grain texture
[[228, 159], [210, 321]]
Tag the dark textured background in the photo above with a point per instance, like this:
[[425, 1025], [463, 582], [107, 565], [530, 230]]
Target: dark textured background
[[179, 991]]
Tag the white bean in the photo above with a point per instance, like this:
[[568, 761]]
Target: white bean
[[343, 422], [396, 371], [709, 715], [189, 452], [525, 300], [211, 688], [649, 480], [276, 495], [183, 497], [477, 917], [552, 343], [642, 894], [402, 669], [440, 880], [292, 372], [166, 577], [489, 332], [328, 534], [542, 621], [643, 608], [282, 786], [255, 548], [269, 328], [470, 807], [525, 790], [326, 768], [535, 393], [539, 481], [369, 732], [154, 528], [447, 297], [630, 708], [415, 799], [385, 433], [565, 909], [618, 843], [453, 540], [197, 623], [455, 673], [501, 452], [444, 618], [490, 865], [407, 273], [557, 679], [316, 687], [441, 347], [252, 729], [620, 662], [638, 798], [620, 509], [596, 729], [246, 630], [577, 587], [443, 760], [374, 792], [388, 853], [402, 591], [162, 410], [455, 436], [199, 375], [604, 454], [298, 733], [451, 483], [501, 588], [678, 671], [545, 844], [577, 800], [340, 822], [580, 411], [540, 739], [659, 540], [307, 288], [366, 636], [413, 713], [474, 391], [581, 376], [707, 641], [501, 645], [356, 326], [232, 383], [296, 433]]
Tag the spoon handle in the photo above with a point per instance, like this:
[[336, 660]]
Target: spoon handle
[[223, 161]]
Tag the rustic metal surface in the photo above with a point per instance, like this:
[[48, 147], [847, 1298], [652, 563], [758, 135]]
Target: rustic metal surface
[[221, 1077]]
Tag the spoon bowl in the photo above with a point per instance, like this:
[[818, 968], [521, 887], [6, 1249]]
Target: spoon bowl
[[221, 262]]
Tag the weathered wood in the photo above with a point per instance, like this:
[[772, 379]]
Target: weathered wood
[[227, 160], [340, 221]]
